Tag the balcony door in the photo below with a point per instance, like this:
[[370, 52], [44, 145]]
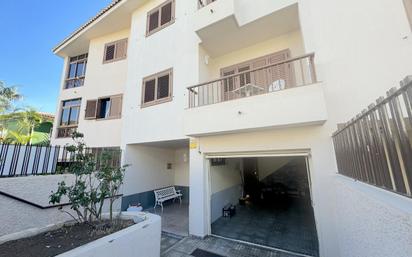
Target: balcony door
[[270, 79]]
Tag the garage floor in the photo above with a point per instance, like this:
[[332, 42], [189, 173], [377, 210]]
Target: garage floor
[[290, 227]]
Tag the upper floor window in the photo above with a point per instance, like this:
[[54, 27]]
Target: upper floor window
[[69, 117], [104, 108], [115, 51], [157, 88], [76, 71], [408, 7], [160, 17], [203, 3]]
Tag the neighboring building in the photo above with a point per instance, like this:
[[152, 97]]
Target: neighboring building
[[269, 81]]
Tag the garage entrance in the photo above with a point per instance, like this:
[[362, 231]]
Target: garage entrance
[[265, 201]]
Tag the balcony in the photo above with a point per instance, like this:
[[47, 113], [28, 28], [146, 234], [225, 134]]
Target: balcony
[[74, 82], [224, 26], [65, 132], [285, 93]]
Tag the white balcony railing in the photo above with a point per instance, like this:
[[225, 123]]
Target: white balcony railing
[[278, 76]]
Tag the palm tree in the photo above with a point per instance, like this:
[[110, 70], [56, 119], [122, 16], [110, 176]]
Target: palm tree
[[27, 120], [8, 95]]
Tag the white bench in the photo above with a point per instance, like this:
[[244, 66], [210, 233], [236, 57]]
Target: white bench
[[164, 194]]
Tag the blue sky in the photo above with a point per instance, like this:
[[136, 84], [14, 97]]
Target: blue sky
[[29, 29]]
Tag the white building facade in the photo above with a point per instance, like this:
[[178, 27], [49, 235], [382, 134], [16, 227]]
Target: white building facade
[[266, 78]]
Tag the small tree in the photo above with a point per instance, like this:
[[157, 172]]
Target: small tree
[[92, 184], [111, 176]]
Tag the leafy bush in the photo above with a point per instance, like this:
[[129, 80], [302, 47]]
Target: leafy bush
[[93, 183]]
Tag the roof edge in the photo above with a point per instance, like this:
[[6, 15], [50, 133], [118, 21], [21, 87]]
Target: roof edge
[[86, 25]]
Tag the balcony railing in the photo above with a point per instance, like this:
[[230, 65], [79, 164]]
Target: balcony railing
[[203, 3], [294, 72], [64, 132], [74, 82]]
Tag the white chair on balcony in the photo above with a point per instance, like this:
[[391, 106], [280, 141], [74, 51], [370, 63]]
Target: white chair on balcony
[[277, 85]]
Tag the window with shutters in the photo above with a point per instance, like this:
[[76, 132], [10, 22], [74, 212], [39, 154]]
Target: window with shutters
[[160, 17], [280, 74], [76, 71], [157, 88], [408, 8], [109, 107], [69, 117], [115, 51]]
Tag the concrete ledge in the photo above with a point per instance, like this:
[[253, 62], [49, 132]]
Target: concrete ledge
[[143, 238]]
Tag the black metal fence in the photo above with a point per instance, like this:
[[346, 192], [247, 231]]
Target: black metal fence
[[376, 146], [26, 160]]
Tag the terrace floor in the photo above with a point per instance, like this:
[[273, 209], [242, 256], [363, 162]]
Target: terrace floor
[[213, 247], [175, 218]]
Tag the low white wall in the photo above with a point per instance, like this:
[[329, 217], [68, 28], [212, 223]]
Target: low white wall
[[372, 222], [142, 239], [17, 216]]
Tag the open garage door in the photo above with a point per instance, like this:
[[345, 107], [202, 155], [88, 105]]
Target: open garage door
[[263, 199]]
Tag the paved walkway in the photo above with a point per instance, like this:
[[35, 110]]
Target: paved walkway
[[173, 247]]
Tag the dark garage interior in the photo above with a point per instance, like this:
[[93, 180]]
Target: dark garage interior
[[265, 201]]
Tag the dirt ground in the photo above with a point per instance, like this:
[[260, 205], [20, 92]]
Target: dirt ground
[[58, 241]]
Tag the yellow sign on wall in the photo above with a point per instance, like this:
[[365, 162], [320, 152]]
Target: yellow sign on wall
[[193, 144]]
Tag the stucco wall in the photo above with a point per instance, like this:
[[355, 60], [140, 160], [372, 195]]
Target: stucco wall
[[101, 80], [148, 168], [225, 176], [16, 216], [225, 182], [372, 222], [181, 167], [175, 46]]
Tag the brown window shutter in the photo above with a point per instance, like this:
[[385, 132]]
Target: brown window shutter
[[153, 21], [166, 13], [121, 49], [109, 52], [91, 108], [116, 106], [260, 76]]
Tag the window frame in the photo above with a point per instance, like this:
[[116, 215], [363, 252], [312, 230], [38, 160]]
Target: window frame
[[97, 108], [114, 43], [156, 77], [76, 61], [159, 9], [62, 108], [110, 108]]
